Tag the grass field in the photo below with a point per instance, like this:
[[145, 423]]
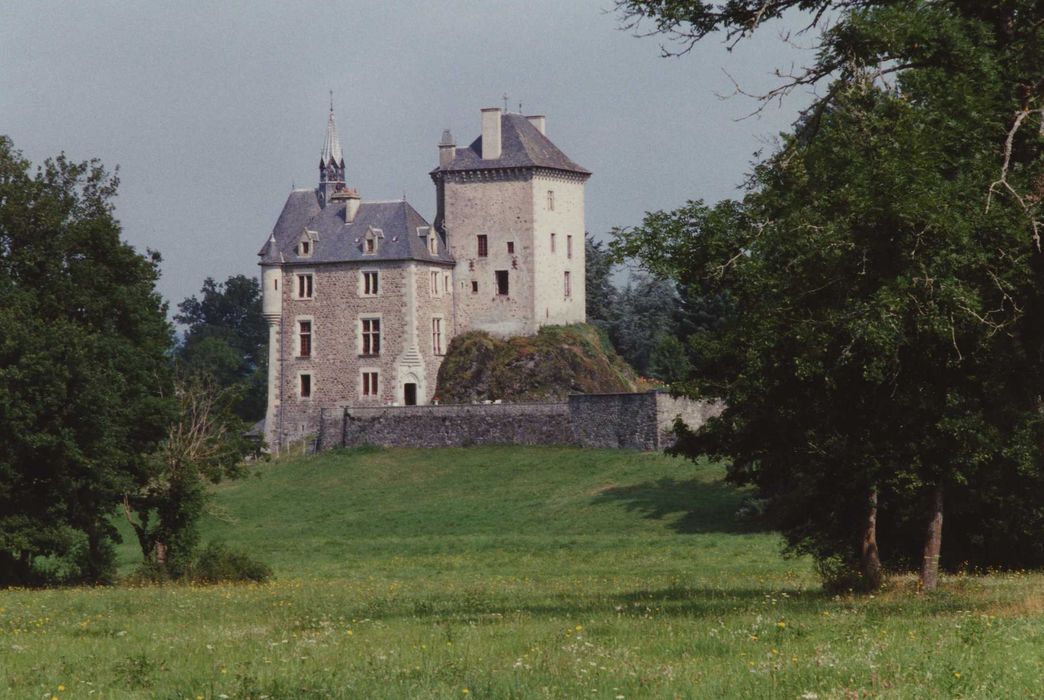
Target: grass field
[[514, 573]]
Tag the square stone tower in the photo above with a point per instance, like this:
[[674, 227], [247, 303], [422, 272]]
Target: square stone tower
[[511, 210]]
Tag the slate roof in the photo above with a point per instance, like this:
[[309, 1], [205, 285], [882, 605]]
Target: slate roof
[[522, 145], [340, 242], [332, 145]]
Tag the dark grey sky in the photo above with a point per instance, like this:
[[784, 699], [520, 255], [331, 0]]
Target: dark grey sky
[[213, 110]]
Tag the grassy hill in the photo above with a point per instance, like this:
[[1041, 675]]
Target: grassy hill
[[556, 362], [507, 572]]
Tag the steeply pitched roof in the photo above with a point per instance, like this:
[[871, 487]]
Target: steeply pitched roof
[[337, 241], [522, 145], [332, 145]]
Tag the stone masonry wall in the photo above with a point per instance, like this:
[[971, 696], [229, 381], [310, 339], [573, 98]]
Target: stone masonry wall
[[455, 426], [629, 421], [693, 413], [615, 420]]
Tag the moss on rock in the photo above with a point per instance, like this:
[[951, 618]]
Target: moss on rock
[[556, 362]]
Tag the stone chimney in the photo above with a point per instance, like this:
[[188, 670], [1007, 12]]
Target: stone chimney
[[447, 149], [351, 199], [491, 133], [539, 121]]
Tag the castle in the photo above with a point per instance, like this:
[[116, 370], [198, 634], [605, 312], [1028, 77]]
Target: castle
[[362, 297]]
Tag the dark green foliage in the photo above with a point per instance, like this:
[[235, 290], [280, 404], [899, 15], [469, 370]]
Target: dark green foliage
[[600, 292], [217, 562], [226, 338], [558, 361], [883, 325], [646, 313], [83, 367]]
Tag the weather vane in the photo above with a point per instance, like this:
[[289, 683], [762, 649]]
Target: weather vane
[[331, 100], [505, 98]]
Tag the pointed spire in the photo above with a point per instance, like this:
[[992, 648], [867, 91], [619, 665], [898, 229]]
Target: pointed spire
[[332, 145]]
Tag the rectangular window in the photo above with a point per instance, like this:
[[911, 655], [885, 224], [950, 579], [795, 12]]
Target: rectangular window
[[434, 284], [304, 335], [446, 284], [369, 384], [304, 286], [550, 200], [306, 386], [511, 247], [569, 247], [474, 286], [552, 242], [371, 336], [306, 248], [433, 243], [483, 245], [436, 336], [567, 286], [371, 246], [370, 284], [502, 282]]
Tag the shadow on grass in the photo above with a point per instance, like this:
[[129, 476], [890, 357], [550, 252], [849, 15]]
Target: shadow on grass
[[673, 602], [698, 506]]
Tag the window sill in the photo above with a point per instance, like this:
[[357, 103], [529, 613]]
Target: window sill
[[364, 356]]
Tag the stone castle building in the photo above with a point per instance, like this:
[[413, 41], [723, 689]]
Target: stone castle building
[[363, 296]]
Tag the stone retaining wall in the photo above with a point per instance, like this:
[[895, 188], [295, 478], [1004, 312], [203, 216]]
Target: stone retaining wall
[[455, 426], [630, 421]]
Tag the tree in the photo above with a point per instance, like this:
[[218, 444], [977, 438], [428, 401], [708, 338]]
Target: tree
[[645, 313], [882, 356], [83, 367], [226, 338], [600, 292], [204, 444]]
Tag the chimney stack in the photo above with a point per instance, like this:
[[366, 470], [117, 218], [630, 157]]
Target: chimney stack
[[491, 133], [352, 200], [540, 122], [447, 149]]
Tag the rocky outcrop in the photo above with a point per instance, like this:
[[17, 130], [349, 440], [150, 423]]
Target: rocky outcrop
[[557, 362]]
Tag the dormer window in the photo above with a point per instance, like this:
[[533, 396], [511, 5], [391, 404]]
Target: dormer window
[[306, 244], [372, 240]]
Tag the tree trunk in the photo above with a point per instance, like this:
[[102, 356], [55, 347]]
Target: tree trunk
[[871, 558], [933, 542], [161, 553]]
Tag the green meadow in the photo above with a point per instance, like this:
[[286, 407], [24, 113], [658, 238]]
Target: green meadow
[[506, 572]]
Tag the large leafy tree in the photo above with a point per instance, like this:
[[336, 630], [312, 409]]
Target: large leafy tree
[[84, 366], [226, 338], [882, 360]]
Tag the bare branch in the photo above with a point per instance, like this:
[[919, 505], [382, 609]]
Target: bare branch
[[1003, 183]]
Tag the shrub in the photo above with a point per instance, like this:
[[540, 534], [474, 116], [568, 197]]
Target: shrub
[[217, 562]]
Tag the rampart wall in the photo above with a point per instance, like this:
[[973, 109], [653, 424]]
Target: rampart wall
[[640, 421]]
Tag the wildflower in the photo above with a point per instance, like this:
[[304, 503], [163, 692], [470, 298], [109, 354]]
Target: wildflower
[[956, 674], [466, 691], [579, 627], [61, 688], [781, 624]]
